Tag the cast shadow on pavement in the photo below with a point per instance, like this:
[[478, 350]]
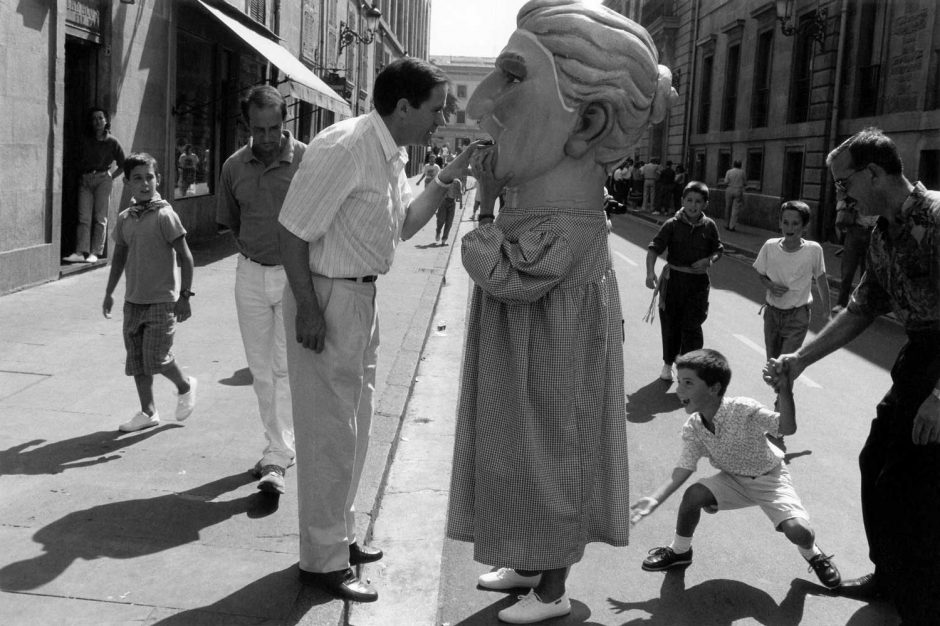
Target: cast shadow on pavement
[[57, 456], [263, 599], [718, 602], [580, 614], [132, 528], [239, 378], [650, 400]]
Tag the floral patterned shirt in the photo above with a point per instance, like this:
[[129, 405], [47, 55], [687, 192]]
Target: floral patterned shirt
[[738, 445], [903, 272]]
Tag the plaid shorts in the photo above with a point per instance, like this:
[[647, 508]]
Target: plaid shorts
[[148, 337], [773, 493]]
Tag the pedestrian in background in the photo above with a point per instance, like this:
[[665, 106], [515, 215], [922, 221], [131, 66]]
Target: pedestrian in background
[[347, 209], [445, 213], [638, 182], [679, 186], [251, 190], [99, 150], [543, 357], [664, 189], [734, 193], [692, 244], [855, 230], [900, 462], [149, 241], [730, 433], [650, 177]]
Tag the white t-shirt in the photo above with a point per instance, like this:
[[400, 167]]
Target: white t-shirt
[[795, 269]]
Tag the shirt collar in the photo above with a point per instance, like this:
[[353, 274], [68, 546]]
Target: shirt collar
[[286, 155], [390, 149]]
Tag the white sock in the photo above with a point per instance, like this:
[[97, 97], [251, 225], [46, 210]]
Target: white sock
[[680, 544], [810, 553]]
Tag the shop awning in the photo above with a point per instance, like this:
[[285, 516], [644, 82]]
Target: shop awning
[[304, 84]]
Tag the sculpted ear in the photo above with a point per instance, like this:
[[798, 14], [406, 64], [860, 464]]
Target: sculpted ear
[[595, 123]]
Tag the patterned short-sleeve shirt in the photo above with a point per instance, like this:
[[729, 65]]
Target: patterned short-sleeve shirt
[[738, 445]]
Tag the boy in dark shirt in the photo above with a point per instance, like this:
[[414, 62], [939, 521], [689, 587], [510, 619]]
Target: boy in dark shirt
[[691, 242]]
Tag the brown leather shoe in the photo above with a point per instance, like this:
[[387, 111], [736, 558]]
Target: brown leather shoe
[[343, 584], [363, 554]]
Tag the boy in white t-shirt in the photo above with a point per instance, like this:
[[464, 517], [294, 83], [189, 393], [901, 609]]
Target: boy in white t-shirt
[[787, 267]]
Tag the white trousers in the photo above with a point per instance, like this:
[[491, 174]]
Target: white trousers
[[259, 291], [333, 399]]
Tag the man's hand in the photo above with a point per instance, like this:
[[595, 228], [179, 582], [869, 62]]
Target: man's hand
[[783, 370], [641, 508], [311, 329], [484, 170], [777, 289], [107, 305], [182, 310], [927, 422], [461, 163]]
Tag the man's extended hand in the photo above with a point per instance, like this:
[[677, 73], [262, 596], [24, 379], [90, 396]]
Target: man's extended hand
[[461, 163], [311, 329], [927, 422]]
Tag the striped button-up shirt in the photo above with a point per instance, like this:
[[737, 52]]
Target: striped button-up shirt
[[349, 198]]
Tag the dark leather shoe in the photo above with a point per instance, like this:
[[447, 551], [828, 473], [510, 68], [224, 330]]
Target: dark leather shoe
[[363, 554], [343, 584], [862, 588]]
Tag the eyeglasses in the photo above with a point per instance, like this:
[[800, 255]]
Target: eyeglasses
[[840, 182]]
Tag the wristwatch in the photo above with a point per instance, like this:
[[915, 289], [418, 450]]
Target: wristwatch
[[187, 293]]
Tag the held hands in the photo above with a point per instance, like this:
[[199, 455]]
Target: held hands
[[782, 371], [641, 508]]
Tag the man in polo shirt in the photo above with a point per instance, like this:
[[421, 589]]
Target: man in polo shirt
[[251, 191], [346, 211]]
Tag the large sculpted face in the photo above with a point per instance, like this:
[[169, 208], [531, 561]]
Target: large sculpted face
[[519, 104]]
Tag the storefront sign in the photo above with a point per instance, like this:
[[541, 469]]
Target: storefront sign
[[83, 18]]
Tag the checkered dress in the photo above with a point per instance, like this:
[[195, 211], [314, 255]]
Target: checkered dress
[[540, 458]]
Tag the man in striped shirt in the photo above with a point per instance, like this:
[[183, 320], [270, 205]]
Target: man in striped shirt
[[347, 208]]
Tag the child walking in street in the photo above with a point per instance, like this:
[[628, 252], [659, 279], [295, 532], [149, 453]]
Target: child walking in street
[[692, 244], [148, 240], [730, 432], [787, 267]]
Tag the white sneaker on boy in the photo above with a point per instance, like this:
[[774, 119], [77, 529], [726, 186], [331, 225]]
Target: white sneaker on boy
[[187, 401], [140, 421]]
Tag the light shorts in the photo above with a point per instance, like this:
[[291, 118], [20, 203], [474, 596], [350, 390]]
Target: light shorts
[[148, 337], [773, 493]]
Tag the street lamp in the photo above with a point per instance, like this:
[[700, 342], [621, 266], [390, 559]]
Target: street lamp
[[347, 35], [814, 26]]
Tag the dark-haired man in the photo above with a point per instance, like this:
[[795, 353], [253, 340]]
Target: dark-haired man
[[251, 191], [347, 209], [900, 462]]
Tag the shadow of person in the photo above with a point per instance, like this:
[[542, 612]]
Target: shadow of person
[[425, 246], [239, 378], [57, 456], [128, 529], [648, 401], [717, 603]]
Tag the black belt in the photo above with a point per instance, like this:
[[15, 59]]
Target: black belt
[[260, 263], [362, 279]]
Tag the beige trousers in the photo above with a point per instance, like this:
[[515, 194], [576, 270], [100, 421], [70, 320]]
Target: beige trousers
[[332, 398]]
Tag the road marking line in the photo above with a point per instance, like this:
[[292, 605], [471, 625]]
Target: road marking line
[[806, 380], [627, 259]]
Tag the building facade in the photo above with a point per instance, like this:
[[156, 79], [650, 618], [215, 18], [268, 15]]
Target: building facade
[[778, 95], [171, 74], [465, 74]]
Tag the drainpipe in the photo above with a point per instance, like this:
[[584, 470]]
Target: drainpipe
[[689, 91], [832, 123]]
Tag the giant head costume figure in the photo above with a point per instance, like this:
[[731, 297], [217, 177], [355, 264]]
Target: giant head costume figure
[[573, 89]]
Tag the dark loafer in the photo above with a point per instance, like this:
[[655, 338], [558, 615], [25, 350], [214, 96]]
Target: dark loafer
[[343, 584], [363, 554], [862, 588]]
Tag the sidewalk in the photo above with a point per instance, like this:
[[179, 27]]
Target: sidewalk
[[166, 525]]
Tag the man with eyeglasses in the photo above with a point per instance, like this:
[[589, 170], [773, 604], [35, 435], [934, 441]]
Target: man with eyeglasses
[[900, 462]]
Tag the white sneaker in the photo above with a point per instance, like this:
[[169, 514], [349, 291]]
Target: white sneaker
[[75, 257], [91, 258], [529, 609], [139, 422], [507, 578], [666, 374], [187, 401]]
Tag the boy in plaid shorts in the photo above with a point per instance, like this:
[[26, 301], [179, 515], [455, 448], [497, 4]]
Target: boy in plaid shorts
[[148, 240], [730, 432]]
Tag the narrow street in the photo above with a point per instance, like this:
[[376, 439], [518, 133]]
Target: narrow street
[[743, 572]]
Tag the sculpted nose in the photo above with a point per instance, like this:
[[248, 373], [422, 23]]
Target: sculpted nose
[[481, 102]]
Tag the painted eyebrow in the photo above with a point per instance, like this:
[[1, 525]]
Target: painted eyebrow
[[512, 63]]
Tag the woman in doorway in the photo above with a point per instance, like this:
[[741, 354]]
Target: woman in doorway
[[99, 151]]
